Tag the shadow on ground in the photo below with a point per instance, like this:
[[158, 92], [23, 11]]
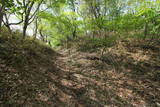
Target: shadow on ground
[[73, 80]]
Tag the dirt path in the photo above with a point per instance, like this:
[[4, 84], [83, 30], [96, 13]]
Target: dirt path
[[94, 83]]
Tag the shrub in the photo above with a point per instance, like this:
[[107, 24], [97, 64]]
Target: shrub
[[92, 44]]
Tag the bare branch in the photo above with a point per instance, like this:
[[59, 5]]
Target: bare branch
[[16, 23], [32, 20], [36, 10]]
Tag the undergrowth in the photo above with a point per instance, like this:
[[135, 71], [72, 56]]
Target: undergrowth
[[92, 44]]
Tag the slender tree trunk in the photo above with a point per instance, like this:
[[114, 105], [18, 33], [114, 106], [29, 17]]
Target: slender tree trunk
[[7, 23], [36, 28], [24, 31], [1, 18], [26, 20], [74, 10], [145, 30], [9, 28], [42, 37], [74, 33], [25, 24], [1, 13]]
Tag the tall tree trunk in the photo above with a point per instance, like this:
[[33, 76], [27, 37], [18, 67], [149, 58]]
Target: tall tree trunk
[[25, 24], [26, 20], [1, 13], [24, 30], [74, 10], [1, 18]]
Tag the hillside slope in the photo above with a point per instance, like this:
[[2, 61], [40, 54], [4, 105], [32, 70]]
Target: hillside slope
[[25, 70], [126, 75], [33, 75]]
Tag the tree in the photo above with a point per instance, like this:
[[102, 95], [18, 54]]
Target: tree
[[72, 4], [28, 15], [2, 6]]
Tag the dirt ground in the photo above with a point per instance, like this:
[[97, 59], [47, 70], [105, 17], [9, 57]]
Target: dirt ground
[[124, 76]]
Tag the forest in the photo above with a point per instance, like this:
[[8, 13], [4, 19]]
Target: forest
[[80, 53]]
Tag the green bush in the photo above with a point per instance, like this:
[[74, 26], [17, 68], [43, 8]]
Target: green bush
[[92, 44]]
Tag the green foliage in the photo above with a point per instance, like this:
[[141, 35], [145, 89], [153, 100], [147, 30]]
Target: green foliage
[[65, 20], [92, 44]]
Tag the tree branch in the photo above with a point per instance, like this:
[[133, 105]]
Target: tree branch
[[36, 10]]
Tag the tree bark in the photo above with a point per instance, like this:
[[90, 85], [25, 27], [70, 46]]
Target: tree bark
[[75, 27], [1, 13], [74, 33], [36, 28], [145, 30], [7, 23], [26, 20], [42, 36], [28, 17]]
